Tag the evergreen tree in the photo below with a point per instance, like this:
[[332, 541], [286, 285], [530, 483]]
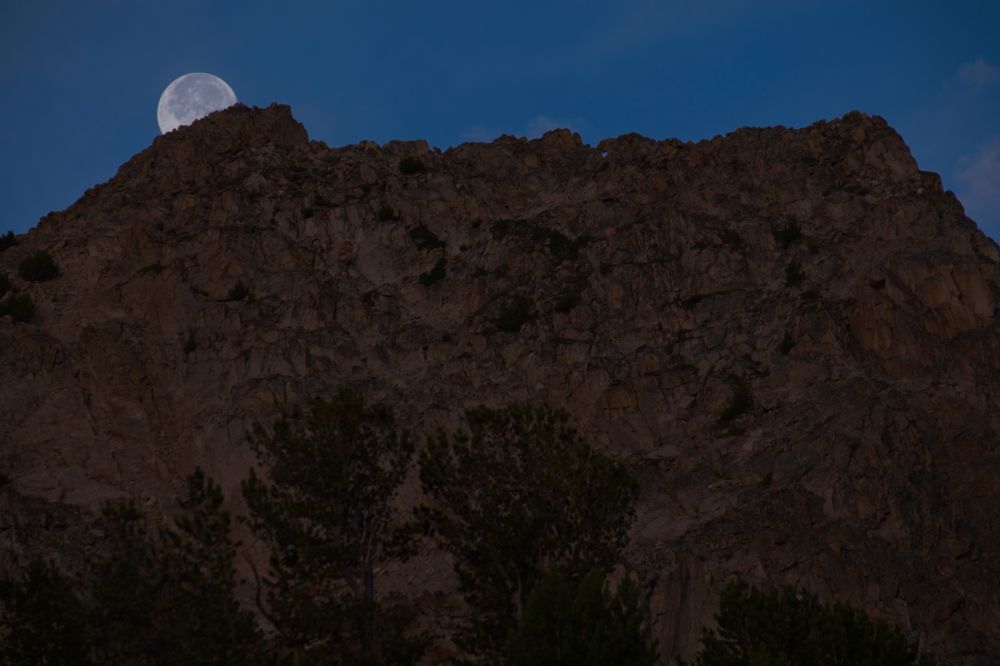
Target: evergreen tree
[[325, 509], [125, 587], [516, 496], [43, 621], [172, 601], [582, 623], [788, 627], [200, 620]]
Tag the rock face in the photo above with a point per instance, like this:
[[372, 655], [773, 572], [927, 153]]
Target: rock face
[[790, 335]]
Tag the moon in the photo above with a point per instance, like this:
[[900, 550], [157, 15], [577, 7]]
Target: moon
[[191, 97]]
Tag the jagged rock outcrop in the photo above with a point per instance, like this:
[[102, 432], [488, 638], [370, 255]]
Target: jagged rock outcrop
[[791, 335]]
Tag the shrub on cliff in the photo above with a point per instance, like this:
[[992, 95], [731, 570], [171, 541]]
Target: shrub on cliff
[[517, 495], [790, 626], [794, 274], [326, 510], [18, 306], [515, 312], [439, 272], [409, 166], [38, 267], [7, 240], [425, 239], [788, 233], [239, 292], [740, 401]]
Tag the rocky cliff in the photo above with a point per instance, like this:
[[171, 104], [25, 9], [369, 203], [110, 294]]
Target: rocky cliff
[[790, 335]]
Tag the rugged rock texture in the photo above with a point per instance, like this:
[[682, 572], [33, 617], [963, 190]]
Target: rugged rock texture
[[791, 335]]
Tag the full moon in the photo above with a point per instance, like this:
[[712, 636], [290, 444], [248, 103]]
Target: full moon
[[191, 97]]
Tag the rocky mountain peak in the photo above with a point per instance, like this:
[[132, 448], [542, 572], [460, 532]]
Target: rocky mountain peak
[[791, 335], [217, 137], [237, 128]]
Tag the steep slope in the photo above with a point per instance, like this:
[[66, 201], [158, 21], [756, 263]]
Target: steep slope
[[791, 335]]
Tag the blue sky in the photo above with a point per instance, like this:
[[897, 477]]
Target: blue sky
[[80, 80]]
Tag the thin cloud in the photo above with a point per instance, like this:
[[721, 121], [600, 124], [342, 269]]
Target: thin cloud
[[541, 124], [650, 20], [978, 74], [533, 129], [979, 175], [478, 134]]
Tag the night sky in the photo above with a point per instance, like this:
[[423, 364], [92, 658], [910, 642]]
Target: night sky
[[80, 80]]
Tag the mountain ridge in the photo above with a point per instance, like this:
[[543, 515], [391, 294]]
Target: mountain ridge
[[790, 335]]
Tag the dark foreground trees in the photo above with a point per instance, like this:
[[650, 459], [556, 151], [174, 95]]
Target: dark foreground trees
[[535, 518], [324, 507], [516, 497], [149, 601], [787, 626], [172, 600], [44, 621], [582, 623]]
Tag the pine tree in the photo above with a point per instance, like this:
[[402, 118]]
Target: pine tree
[[520, 494], [582, 623], [325, 509], [172, 601], [43, 621], [125, 588], [788, 626], [200, 620]]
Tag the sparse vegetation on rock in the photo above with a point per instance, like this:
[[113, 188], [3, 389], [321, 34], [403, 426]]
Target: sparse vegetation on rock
[[409, 166], [38, 266], [794, 274], [438, 272], [691, 301], [7, 240], [558, 244], [787, 342], [787, 233], [567, 301], [18, 306], [239, 292], [515, 311], [740, 401], [425, 239]]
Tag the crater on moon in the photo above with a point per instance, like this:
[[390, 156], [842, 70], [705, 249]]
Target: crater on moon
[[191, 97]]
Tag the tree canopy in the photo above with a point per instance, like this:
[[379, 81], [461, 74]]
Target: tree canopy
[[172, 600], [325, 508], [147, 601], [44, 622], [582, 623], [787, 626], [519, 494]]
